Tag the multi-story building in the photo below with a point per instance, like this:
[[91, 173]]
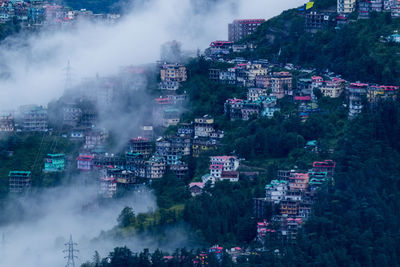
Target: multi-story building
[[233, 108], [173, 72], [220, 47], [6, 122], [327, 166], [54, 162], [346, 6], [276, 191], [280, 83], [181, 170], [240, 29], [231, 176], [169, 85], [141, 145], [228, 76], [203, 126], [333, 88], [316, 21], [33, 118], [250, 109], [253, 94], [71, 114], [376, 5], [181, 145], [200, 145], [171, 117], [84, 163], [213, 74], [155, 167], [222, 167], [364, 8], [381, 92], [356, 93], [298, 181], [108, 187], [395, 8], [94, 137], [19, 181], [185, 129]]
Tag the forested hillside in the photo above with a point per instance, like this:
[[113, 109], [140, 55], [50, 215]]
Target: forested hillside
[[358, 50]]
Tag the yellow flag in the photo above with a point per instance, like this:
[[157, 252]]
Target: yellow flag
[[309, 5]]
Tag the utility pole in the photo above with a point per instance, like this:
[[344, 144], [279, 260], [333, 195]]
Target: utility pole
[[71, 251]]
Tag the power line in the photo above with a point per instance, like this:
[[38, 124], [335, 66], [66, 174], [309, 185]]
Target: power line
[[71, 252]]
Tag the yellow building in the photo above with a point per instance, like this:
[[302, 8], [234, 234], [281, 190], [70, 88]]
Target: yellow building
[[332, 89], [173, 72]]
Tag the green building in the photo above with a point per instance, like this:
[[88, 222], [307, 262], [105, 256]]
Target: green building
[[54, 162]]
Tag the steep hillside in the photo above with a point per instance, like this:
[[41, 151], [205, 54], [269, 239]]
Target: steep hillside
[[358, 50]]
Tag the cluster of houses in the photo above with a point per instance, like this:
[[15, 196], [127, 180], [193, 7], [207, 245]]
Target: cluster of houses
[[28, 118], [266, 87], [316, 20], [146, 159], [288, 200], [41, 12]]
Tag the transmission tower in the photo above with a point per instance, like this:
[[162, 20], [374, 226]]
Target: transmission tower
[[71, 252], [68, 76]]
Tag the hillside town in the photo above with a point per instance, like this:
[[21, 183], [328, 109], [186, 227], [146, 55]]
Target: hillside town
[[166, 143]]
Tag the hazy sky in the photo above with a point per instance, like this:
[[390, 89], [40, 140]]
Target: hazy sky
[[36, 64]]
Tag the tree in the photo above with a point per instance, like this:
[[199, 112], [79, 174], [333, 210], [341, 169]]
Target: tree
[[126, 217]]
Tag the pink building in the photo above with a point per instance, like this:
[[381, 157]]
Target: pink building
[[84, 163]]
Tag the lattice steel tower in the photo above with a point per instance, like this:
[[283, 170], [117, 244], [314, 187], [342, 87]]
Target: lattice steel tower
[[71, 252]]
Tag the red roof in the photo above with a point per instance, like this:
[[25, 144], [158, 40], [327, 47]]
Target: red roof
[[302, 98], [85, 158], [326, 163], [249, 21], [216, 167], [201, 185], [220, 43], [140, 138]]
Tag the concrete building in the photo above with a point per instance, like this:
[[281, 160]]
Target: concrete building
[[280, 84], [253, 94], [356, 93], [33, 118], [108, 187], [316, 21], [242, 28], [155, 167], [84, 163], [224, 168], [173, 72], [6, 122], [276, 191], [94, 137], [346, 6], [181, 170], [71, 114], [54, 162], [333, 88], [141, 145], [203, 126], [19, 181]]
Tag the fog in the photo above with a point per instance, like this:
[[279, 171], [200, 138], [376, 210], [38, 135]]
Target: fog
[[32, 68], [32, 71], [38, 238]]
